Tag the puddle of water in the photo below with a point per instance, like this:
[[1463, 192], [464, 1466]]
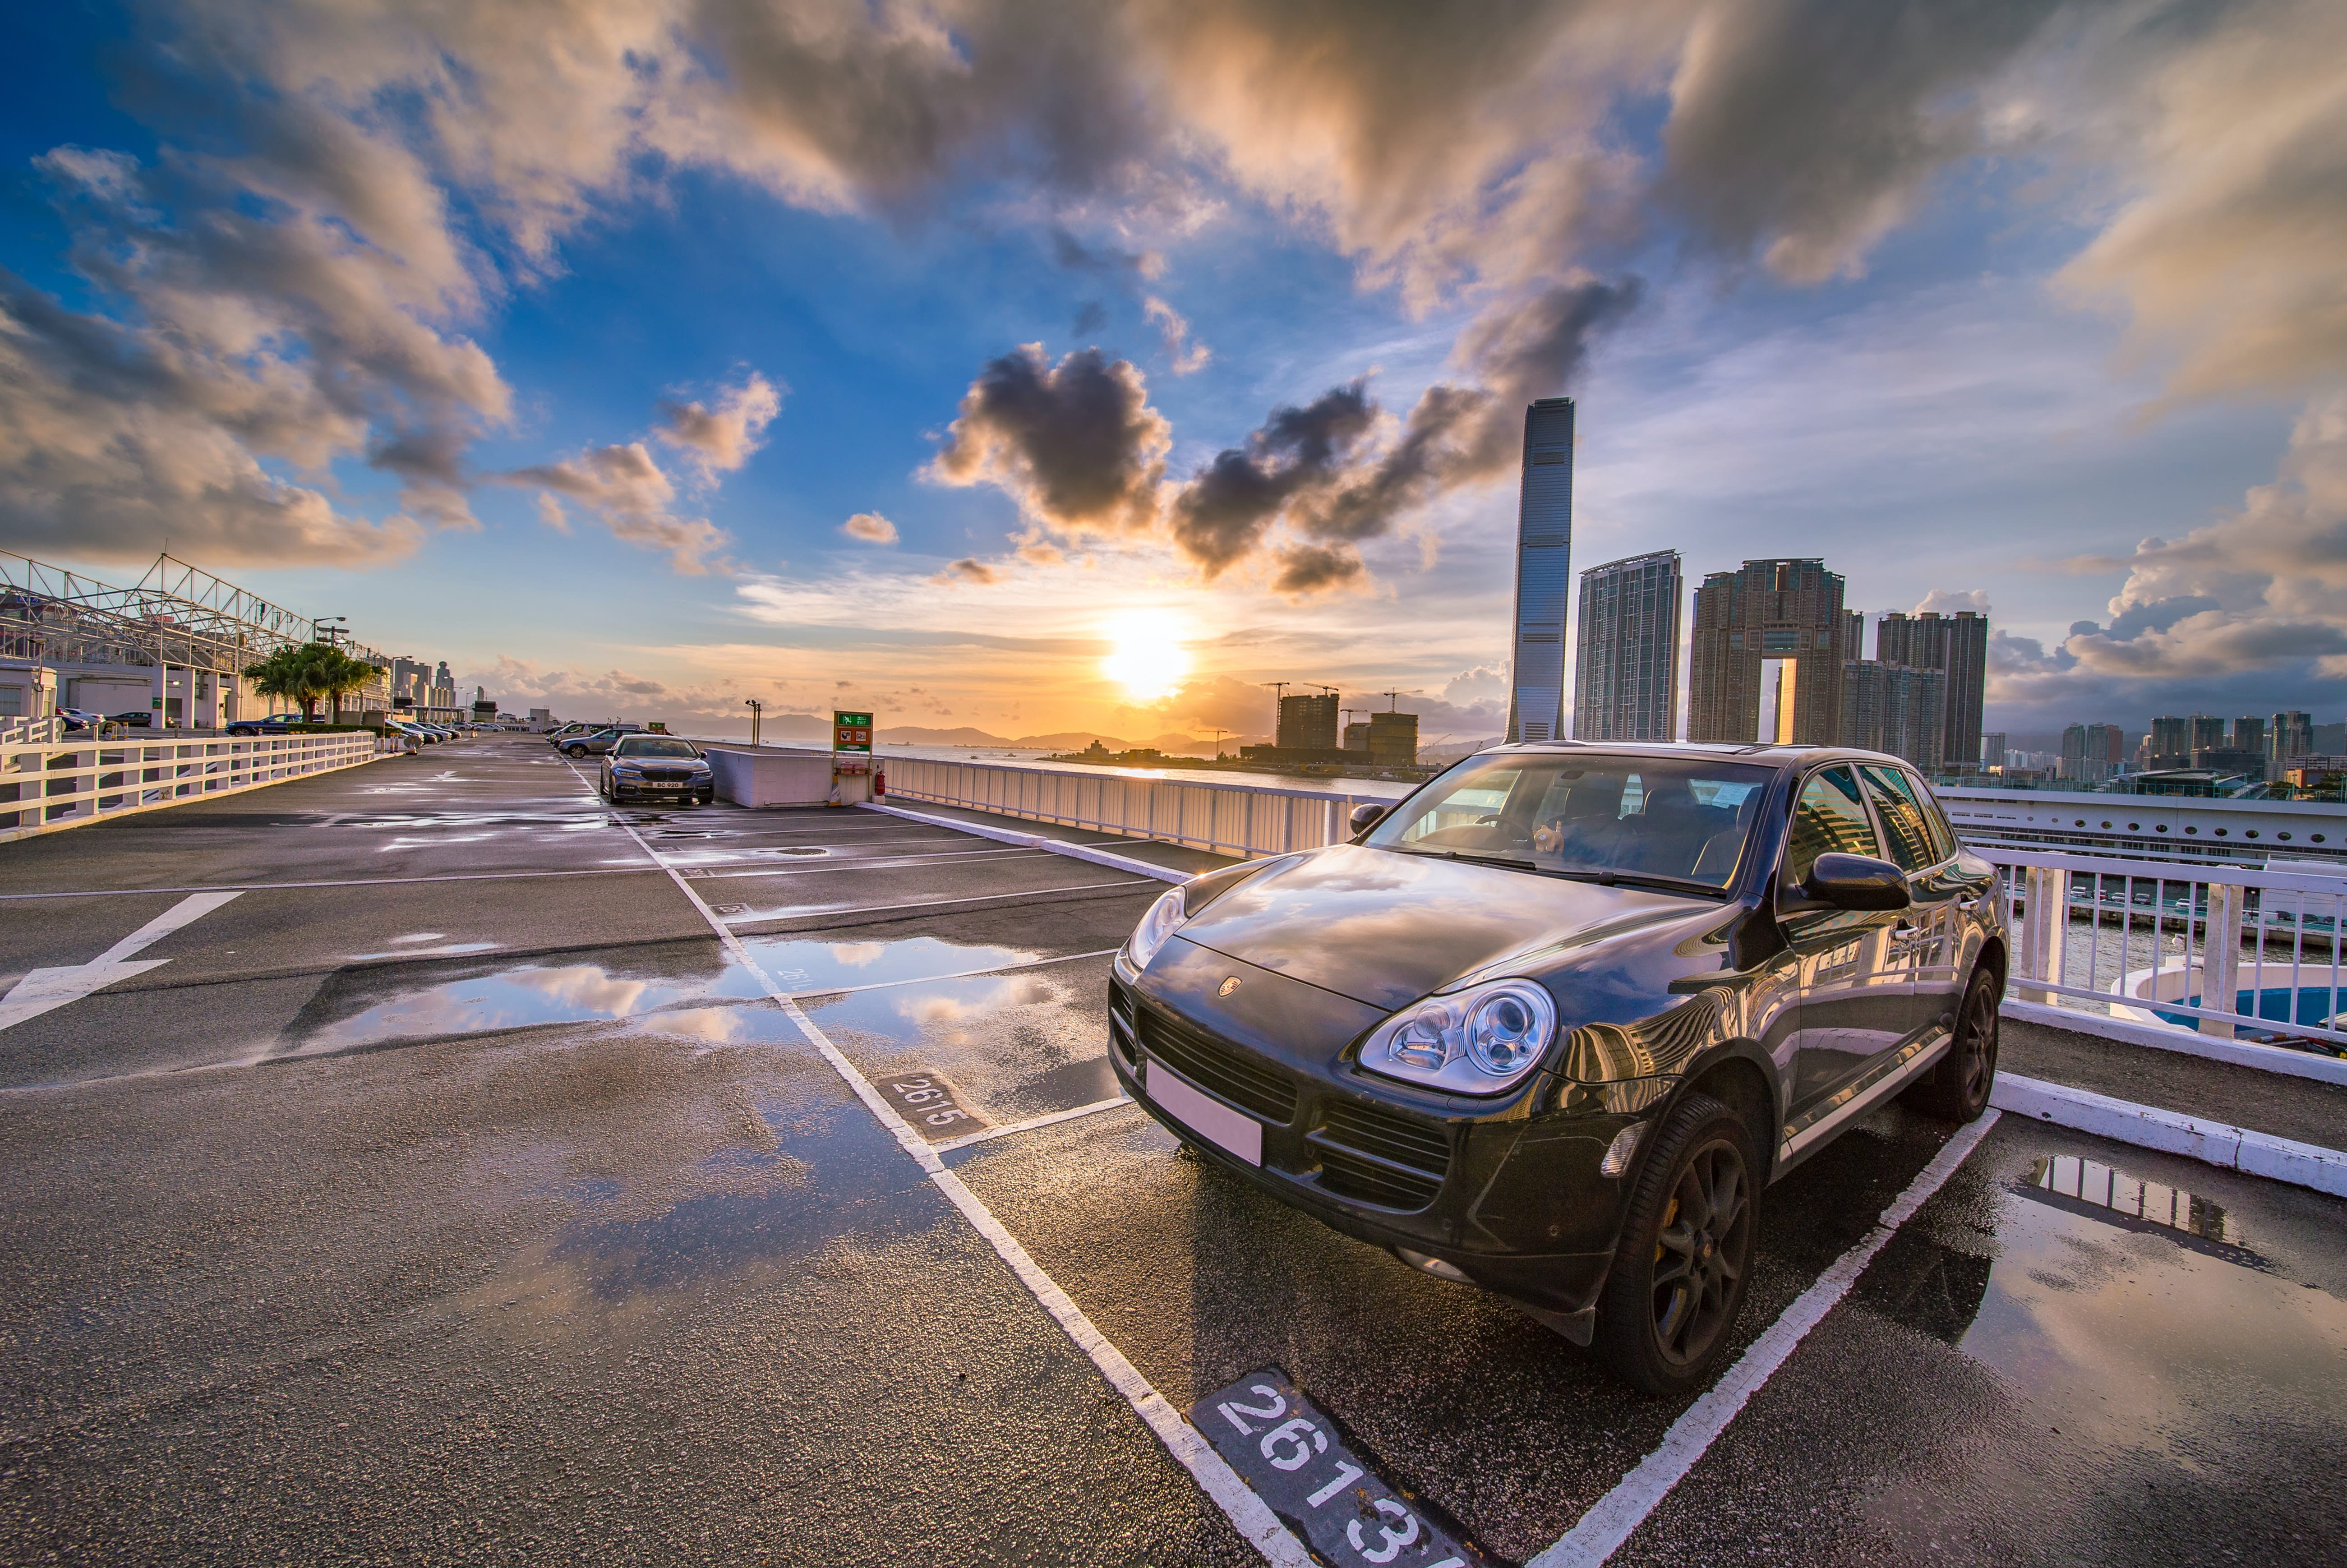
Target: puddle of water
[[2100, 1192], [799, 965], [2135, 1378], [371, 1011]]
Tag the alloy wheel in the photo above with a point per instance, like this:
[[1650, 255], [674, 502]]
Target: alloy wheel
[[1699, 1256], [1976, 1039]]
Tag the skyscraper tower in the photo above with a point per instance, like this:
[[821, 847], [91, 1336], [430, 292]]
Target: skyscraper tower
[[1626, 669], [1543, 573], [1787, 613]]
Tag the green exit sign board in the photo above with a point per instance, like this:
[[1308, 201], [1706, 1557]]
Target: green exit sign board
[[851, 732]]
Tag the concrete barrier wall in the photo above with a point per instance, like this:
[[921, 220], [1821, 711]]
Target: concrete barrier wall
[[771, 777]]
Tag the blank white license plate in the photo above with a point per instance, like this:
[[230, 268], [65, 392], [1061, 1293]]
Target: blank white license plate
[[1208, 1117]]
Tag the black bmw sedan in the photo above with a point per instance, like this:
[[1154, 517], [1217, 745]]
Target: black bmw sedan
[[1552, 1024]]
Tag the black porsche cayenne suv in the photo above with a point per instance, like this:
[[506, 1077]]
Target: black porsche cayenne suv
[[1552, 1024]]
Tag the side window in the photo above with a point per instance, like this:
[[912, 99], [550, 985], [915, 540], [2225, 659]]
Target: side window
[[1935, 820], [1902, 818], [1829, 819]]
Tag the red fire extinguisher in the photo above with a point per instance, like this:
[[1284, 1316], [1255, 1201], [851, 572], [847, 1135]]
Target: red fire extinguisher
[[879, 783]]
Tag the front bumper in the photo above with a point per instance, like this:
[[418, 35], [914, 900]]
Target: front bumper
[[1506, 1195]]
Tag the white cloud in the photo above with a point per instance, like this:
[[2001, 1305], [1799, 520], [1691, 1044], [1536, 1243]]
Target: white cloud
[[871, 528]]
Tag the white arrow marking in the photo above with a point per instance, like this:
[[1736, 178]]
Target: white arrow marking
[[43, 991]]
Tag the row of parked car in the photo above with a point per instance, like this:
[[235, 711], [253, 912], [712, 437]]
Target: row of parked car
[[638, 764]]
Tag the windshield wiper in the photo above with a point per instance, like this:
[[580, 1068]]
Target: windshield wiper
[[1607, 879], [1603, 877]]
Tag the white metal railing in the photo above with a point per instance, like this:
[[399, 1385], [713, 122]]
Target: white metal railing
[[2226, 951], [2159, 944], [1223, 815], [17, 732], [44, 788]]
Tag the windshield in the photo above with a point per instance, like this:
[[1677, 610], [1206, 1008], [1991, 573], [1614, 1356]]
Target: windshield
[[1683, 818], [646, 746]]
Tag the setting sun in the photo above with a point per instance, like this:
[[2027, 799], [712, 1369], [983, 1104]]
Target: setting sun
[[1147, 658]]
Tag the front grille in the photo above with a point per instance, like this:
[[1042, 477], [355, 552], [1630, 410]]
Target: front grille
[[667, 776], [1367, 1180], [1379, 1156], [1245, 1081], [1119, 1027]]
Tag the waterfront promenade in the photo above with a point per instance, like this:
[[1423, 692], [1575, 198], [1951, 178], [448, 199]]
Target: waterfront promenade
[[425, 1161]]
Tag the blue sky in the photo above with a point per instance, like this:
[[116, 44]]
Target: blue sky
[[1972, 300]]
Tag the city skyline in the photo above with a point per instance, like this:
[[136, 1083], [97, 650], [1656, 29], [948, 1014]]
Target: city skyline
[[1040, 381]]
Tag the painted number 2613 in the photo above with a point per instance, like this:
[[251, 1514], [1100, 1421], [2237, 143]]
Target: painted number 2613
[[1296, 1442]]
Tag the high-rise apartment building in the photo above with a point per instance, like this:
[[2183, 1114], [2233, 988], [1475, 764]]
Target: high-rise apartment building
[[1785, 612], [1993, 748], [1895, 708], [1308, 721], [1956, 644], [1543, 573], [2169, 745], [2293, 736], [2092, 753], [2249, 734], [1626, 672]]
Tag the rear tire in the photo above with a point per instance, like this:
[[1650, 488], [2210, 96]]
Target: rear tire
[[1957, 1090], [1670, 1303]]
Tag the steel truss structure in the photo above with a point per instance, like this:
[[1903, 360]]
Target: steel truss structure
[[176, 615]]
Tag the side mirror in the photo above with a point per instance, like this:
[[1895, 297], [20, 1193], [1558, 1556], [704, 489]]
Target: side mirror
[[1366, 817], [1856, 882]]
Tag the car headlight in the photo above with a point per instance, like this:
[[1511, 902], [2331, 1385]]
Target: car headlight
[[1162, 921], [1476, 1041]]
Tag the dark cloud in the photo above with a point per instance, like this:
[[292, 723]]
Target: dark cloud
[[1222, 512], [1318, 470], [969, 569], [1076, 444], [1091, 315], [1307, 569], [1805, 130]]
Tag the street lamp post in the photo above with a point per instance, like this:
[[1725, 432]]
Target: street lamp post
[[756, 708]]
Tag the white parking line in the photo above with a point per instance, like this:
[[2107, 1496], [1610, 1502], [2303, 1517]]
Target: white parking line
[[44, 991], [1247, 1512], [1604, 1529], [950, 1144]]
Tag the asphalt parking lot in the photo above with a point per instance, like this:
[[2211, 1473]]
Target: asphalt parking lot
[[428, 1163]]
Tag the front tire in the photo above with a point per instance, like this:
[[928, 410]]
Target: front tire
[[1679, 1277], [1958, 1089], [574, 753]]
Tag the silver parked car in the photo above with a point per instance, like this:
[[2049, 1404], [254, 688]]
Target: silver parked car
[[640, 765]]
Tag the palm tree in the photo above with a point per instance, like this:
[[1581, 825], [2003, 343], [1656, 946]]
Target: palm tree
[[306, 673]]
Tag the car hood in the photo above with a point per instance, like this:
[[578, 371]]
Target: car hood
[[1386, 927]]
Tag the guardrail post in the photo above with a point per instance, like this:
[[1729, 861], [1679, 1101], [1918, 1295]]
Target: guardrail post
[[2220, 958], [2045, 926]]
